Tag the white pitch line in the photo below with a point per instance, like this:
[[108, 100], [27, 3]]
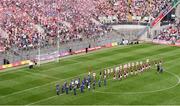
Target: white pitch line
[[46, 84], [42, 75], [99, 59], [42, 100], [117, 93], [57, 81], [145, 92], [149, 91], [18, 92], [51, 83]]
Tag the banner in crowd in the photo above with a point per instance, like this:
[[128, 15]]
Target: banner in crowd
[[166, 42], [161, 15], [15, 64]]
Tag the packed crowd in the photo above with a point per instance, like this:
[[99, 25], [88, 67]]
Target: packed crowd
[[29, 23], [171, 33]]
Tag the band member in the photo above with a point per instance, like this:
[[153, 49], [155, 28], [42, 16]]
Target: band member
[[161, 69], [66, 88], [57, 89], [89, 86], [94, 84], [82, 88], [74, 90], [99, 83]]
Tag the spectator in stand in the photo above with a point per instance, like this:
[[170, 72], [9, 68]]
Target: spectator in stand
[[27, 22]]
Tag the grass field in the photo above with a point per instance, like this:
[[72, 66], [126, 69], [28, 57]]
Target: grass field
[[37, 87]]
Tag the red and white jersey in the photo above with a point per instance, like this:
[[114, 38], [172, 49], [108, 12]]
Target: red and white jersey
[[125, 66]]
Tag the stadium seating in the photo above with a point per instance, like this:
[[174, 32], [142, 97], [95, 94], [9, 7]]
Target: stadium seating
[[171, 33], [26, 22]]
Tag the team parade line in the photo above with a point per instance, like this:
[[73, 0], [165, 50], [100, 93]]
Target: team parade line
[[120, 72]]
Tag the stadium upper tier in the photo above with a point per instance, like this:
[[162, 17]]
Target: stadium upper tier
[[171, 33], [24, 23]]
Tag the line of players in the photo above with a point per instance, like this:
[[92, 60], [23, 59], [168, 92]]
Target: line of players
[[88, 82], [118, 72]]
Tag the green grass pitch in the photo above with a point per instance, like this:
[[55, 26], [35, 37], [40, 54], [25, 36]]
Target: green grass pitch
[[37, 87]]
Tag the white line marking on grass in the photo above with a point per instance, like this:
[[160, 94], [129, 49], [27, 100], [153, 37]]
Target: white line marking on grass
[[18, 92], [62, 79], [42, 100], [118, 93], [145, 92], [114, 92], [42, 75], [77, 62]]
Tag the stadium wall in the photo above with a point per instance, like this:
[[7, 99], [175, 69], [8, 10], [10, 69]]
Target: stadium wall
[[51, 57]]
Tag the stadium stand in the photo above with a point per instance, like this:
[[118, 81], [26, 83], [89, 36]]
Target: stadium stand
[[171, 33], [28, 24]]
